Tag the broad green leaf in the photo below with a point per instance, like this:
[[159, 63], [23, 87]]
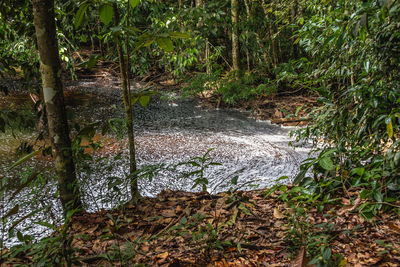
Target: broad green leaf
[[144, 100], [20, 237], [166, 44], [327, 254], [179, 35], [13, 211], [48, 225], [106, 13], [92, 62], [25, 158], [239, 247], [298, 110], [134, 99], [143, 43], [148, 42], [359, 171], [234, 180], [80, 15], [134, 3], [389, 129], [326, 163]]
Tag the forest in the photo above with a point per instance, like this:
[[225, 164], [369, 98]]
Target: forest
[[199, 133]]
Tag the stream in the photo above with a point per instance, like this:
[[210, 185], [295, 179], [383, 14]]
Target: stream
[[168, 131]]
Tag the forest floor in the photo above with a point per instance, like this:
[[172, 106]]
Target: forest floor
[[229, 229]]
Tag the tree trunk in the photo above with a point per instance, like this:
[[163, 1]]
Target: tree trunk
[[50, 67], [293, 14], [246, 3], [200, 23], [271, 35], [235, 39], [124, 72]]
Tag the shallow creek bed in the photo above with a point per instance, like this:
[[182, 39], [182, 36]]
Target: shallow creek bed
[[252, 153]]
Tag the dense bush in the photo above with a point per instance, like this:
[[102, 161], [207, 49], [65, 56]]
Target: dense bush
[[354, 46]]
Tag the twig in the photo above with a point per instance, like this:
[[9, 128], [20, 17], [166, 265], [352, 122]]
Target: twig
[[168, 226]]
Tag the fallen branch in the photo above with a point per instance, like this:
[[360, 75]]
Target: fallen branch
[[283, 120]]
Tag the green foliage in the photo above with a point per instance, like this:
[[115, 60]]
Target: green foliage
[[54, 250], [14, 120], [359, 97], [232, 90], [143, 97], [200, 165], [17, 48], [301, 231], [106, 13]]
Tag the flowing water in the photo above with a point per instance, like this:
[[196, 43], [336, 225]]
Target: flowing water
[[169, 132]]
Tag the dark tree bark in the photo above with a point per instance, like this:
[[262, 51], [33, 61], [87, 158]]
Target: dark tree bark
[[50, 67]]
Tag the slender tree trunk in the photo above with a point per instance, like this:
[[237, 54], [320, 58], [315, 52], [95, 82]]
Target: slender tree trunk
[[246, 3], [201, 3], [124, 72], [293, 14], [271, 35], [99, 39], [207, 57], [235, 39], [50, 67]]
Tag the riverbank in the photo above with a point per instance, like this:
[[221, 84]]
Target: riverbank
[[284, 108], [227, 229]]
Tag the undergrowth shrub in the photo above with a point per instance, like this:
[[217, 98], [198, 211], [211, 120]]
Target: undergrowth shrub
[[356, 128]]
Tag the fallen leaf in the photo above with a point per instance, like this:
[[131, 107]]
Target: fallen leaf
[[178, 209], [278, 214], [300, 260], [394, 227], [168, 213], [346, 201], [163, 255]]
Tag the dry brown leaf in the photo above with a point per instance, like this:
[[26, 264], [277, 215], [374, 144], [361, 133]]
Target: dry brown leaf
[[178, 209], [394, 227], [145, 249], [301, 259], [168, 213], [162, 255], [346, 201], [278, 214]]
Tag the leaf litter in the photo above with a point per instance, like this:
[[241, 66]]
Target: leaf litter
[[227, 229]]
